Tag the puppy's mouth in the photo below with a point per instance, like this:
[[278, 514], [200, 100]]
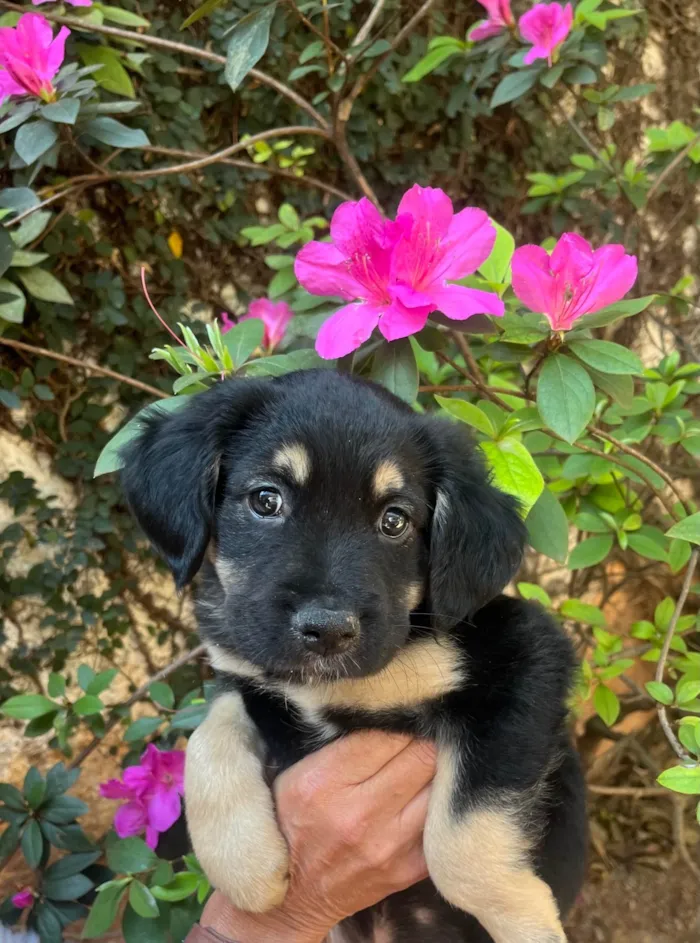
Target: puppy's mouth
[[318, 669]]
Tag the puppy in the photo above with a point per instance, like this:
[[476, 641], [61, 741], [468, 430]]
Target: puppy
[[349, 556]]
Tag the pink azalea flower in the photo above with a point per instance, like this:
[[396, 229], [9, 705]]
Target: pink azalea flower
[[152, 790], [499, 18], [274, 315], [397, 273], [226, 322], [23, 899], [546, 25], [73, 3], [30, 57], [573, 281]]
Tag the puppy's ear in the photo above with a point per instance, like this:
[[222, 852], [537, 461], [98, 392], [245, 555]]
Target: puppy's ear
[[477, 536], [171, 469]]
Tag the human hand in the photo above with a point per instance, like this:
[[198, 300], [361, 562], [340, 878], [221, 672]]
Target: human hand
[[353, 816]]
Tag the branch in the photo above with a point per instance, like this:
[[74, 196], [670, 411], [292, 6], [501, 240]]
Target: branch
[[91, 368], [668, 170], [366, 27], [330, 45], [661, 664], [636, 792], [183, 48]]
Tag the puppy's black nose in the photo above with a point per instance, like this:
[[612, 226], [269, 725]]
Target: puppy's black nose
[[326, 631]]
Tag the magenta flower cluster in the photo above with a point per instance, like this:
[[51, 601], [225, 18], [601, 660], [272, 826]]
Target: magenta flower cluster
[[546, 26], [30, 57], [153, 790]]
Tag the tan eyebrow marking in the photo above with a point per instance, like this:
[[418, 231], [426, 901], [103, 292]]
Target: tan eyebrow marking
[[294, 459], [414, 595], [387, 478]]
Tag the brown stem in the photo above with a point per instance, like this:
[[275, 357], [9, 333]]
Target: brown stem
[[668, 170], [666, 647], [331, 47], [366, 27], [636, 792], [91, 368]]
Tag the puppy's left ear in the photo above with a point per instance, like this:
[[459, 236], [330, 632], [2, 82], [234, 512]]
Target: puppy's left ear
[[477, 536]]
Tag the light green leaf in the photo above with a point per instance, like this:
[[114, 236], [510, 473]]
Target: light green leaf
[[582, 612], [660, 692], [23, 259], [687, 691], [103, 911], [115, 134], [204, 9], [683, 779], [607, 357], [289, 217], [514, 471], [590, 552], [243, 339], [34, 139], [182, 885], [110, 459], [565, 396], [12, 311], [495, 269], [533, 591], [548, 527], [44, 286], [248, 43], [123, 17], [468, 413], [606, 704], [88, 705], [394, 366], [143, 901], [687, 529], [112, 76], [28, 706], [432, 59]]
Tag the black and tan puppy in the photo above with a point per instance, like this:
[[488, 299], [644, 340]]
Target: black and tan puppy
[[351, 554]]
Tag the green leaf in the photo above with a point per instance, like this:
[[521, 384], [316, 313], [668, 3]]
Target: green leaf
[[137, 929], [88, 705], [394, 366], [432, 60], [646, 546], [70, 865], [243, 339], [590, 552], [28, 706], [129, 855], [101, 681], [44, 286], [565, 396], [34, 139], [110, 458], [7, 250], [622, 309], [143, 902], [289, 217], [606, 704], [143, 727], [582, 612], [687, 529], [495, 268], [12, 797], [162, 694], [279, 364], [112, 76], [67, 888], [532, 591], [182, 885], [660, 692], [63, 810], [12, 311], [58, 779], [204, 9], [281, 283], [115, 134], [619, 386], [687, 691], [9, 842], [62, 112], [123, 17], [34, 788], [103, 911], [683, 779], [468, 413], [548, 527], [23, 259], [514, 471], [514, 85], [248, 44], [607, 357], [678, 555], [32, 843]]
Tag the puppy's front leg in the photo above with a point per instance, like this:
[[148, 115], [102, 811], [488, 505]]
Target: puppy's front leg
[[478, 856], [230, 810]]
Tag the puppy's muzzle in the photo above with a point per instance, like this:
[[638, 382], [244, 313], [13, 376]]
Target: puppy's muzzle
[[326, 631]]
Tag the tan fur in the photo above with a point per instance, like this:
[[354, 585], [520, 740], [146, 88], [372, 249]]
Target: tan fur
[[425, 916], [480, 863], [414, 596], [230, 576], [387, 478], [295, 460], [382, 930], [230, 810]]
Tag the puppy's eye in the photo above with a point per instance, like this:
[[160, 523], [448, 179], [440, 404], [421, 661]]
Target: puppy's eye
[[393, 523], [266, 502]]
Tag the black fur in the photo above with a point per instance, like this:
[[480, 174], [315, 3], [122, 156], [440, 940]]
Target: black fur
[[187, 479]]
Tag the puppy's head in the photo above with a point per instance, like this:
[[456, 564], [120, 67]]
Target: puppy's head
[[321, 512]]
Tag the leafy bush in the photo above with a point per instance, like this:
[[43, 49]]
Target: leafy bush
[[148, 158]]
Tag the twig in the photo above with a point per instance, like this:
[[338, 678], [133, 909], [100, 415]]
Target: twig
[[661, 664], [330, 45], [91, 368], [184, 48], [636, 792], [679, 807], [366, 27], [668, 170], [136, 696]]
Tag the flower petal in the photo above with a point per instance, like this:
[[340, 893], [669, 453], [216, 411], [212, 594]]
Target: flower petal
[[469, 242], [164, 808], [614, 275], [322, 269], [151, 837], [347, 329], [411, 297], [139, 779], [357, 227], [485, 30], [56, 52], [130, 819], [115, 789], [459, 303], [533, 282], [399, 321], [431, 209]]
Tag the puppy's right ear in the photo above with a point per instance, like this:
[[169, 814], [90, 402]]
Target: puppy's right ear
[[171, 469]]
